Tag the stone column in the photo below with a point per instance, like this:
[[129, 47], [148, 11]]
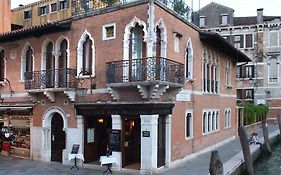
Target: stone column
[[149, 140], [168, 140], [117, 124]]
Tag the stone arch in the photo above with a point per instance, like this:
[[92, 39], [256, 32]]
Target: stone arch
[[57, 47], [23, 58], [161, 25], [43, 52], [80, 52], [47, 117], [127, 34]]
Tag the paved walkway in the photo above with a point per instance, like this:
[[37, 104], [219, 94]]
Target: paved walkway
[[195, 166]]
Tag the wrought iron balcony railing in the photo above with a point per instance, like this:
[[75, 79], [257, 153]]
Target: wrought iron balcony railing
[[90, 6], [54, 78], [145, 69]]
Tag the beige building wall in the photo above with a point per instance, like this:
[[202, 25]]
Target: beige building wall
[[36, 18], [5, 16]]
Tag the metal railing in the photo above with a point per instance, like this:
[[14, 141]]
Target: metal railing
[[89, 6], [145, 69], [53, 78]]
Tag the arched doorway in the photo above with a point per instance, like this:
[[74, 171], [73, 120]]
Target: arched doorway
[[57, 138]]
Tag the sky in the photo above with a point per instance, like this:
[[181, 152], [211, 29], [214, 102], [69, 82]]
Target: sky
[[241, 7]]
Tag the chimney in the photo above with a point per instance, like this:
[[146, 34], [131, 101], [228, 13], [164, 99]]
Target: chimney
[[260, 16], [5, 16]]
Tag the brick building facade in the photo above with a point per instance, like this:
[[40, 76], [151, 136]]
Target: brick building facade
[[158, 88]]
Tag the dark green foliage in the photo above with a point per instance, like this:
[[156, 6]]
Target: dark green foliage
[[181, 8], [253, 112]]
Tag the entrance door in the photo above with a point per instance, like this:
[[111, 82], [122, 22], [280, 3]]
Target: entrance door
[[161, 142], [57, 138], [131, 141]]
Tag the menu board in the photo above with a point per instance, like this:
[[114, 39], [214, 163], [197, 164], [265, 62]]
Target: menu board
[[115, 140], [75, 149]]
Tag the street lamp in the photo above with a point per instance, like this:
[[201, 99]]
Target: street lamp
[[82, 91]]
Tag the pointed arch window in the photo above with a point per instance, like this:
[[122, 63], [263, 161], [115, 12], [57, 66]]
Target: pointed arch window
[[27, 63], [87, 56], [62, 72], [189, 61], [137, 51], [2, 65], [50, 65]]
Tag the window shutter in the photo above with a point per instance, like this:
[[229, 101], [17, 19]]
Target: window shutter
[[47, 9], [58, 5], [39, 11], [67, 3]]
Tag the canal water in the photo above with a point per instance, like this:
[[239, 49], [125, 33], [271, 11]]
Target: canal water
[[269, 164]]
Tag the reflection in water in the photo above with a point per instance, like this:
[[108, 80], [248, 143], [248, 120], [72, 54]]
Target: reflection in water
[[269, 164]]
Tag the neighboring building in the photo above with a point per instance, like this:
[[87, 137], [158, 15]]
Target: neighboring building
[[5, 16], [259, 38], [157, 88], [41, 12]]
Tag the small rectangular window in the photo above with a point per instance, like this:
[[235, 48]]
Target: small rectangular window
[[53, 7], [249, 40], [63, 4], [202, 21], [109, 31], [177, 37], [27, 14], [238, 41], [43, 10], [224, 19]]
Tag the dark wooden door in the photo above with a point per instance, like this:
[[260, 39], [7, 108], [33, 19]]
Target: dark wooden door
[[57, 138]]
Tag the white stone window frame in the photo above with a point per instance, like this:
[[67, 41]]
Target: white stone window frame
[[223, 22], [189, 61], [80, 54], [45, 11], [269, 79], [23, 60], [177, 38], [209, 121], [5, 65], [188, 111], [202, 23], [51, 8], [104, 27], [29, 18], [227, 118], [269, 38]]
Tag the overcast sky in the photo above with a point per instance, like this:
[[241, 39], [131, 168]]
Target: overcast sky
[[241, 7]]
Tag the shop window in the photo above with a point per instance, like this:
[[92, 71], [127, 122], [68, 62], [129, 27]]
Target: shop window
[[27, 14], [109, 31]]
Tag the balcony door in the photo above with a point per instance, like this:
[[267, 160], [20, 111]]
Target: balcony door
[[50, 66], [137, 53], [62, 71]]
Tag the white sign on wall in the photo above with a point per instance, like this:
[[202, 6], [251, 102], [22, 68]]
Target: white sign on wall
[[183, 97]]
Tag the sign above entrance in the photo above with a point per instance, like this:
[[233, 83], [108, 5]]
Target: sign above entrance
[[145, 133]]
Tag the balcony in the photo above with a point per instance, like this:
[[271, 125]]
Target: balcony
[[152, 76], [92, 7], [50, 81]]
